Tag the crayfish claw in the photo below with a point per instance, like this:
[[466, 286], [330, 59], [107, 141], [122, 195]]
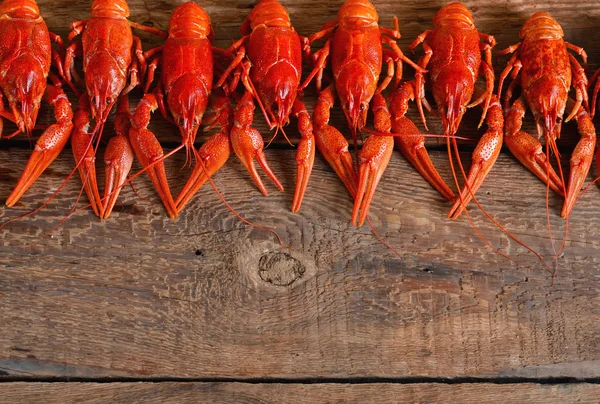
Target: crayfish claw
[[374, 158], [305, 159], [118, 158], [213, 154]]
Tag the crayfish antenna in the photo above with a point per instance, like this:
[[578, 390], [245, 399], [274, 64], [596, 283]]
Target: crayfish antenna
[[73, 210], [484, 211], [208, 175]]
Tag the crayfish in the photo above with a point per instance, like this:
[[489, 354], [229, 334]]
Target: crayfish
[[113, 65], [355, 47], [271, 75], [184, 90], [545, 89], [452, 57], [25, 63]]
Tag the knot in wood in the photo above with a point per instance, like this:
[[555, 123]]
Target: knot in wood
[[280, 269]]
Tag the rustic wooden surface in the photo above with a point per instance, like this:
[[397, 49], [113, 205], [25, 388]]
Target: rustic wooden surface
[[145, 298], [308, 393]]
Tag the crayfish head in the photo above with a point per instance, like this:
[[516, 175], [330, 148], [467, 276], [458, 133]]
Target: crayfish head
[[355, 88], [452, 91], [24, 100], [104, 85], [549, 122], [452, 113], [547, 100], [26, 113], [278, 92], [187, 101], [356, 109]]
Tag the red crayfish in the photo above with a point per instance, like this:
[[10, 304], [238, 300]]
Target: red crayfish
[[184, 90], [452, 57], [355, 47], [113, 64], [25, 62], [271, 76], [545, 89]]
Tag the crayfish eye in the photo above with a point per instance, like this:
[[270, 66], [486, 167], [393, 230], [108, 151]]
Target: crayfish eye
[[108, 101], [558, 119]]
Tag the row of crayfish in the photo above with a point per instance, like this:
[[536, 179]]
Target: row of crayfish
[[196, 77]]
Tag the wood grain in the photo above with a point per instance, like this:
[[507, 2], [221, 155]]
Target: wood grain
[[140, 295], [284, 393]]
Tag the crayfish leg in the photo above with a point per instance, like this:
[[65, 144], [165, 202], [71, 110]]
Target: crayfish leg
[[411, 144], [212, 155], [85, 158], [118, 158], [528, 150], [331, 143], [305, 153]]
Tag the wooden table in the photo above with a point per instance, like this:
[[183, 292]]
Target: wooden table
[[217, 311]]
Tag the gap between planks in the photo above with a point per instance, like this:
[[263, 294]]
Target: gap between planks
[[311, 380]]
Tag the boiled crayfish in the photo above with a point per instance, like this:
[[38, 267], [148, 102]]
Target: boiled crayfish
[[25, 68], [355, 47], [271, 76], [545, 89], [452, 57], [113, 64], [182, 95]]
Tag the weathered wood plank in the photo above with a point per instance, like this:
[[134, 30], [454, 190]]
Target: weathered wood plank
[[141, 295], [296, 393], [502, 19]]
